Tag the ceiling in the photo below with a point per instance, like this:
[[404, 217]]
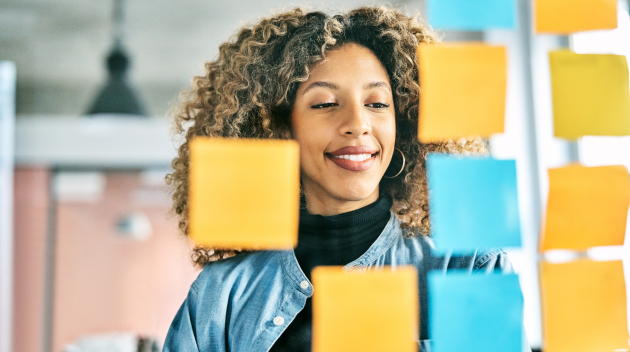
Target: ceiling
[[59, 45]]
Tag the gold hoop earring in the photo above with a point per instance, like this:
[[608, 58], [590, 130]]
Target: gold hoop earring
[[401, 168]]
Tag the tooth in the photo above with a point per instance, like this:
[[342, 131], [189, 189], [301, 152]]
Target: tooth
[[354, 157], [347, 157]]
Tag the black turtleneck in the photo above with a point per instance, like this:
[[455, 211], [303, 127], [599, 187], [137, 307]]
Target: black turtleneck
[[331, 240]]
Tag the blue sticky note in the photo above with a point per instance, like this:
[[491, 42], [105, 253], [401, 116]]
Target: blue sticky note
[[478, 312], [473, 203], [471, 15]]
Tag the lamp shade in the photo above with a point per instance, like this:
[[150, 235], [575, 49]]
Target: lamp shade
[[117, 97]]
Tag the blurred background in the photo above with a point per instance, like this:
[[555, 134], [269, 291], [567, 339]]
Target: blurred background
[[90, 259]]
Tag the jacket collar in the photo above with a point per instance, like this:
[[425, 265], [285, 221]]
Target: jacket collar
[[383, 243], [294, 272]]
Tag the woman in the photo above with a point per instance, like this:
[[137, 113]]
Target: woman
[[346, 89]]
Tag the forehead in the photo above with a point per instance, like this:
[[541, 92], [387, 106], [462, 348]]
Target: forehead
[[351, 61]]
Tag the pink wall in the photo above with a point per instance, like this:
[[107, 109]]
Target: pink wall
[[103, 282], [31, 220], [108, 283]]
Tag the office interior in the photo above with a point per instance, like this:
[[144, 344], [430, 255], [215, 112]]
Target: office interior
[[89, 250]]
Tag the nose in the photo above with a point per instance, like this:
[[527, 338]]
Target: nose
[[356, 122]]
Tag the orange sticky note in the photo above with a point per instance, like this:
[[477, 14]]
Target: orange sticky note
[[568, 16], [590, 94], [365, 311], [244, 193], [462, 91], [584, 306], [587, 207]]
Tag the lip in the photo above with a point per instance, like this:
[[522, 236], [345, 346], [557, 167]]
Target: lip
[[351, 150], [350, 164]]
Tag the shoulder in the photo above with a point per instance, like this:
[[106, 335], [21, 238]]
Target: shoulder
[[480, 260], [226, 302], [492, 260], [223, 275]]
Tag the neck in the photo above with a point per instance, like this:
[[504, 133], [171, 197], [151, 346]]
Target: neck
[[320, 202]]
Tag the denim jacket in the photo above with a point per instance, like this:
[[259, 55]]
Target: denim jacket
[[244, 303]]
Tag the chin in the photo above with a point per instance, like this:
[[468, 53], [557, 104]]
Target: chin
[[354, 193]]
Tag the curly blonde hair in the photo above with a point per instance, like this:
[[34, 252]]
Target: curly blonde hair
[[249, 90]]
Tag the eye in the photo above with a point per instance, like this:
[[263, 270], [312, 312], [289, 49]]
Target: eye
[[323, 105], [377, 105]]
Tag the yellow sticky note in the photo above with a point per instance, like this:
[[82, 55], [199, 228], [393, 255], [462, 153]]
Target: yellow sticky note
[[590, 94], [244, 193], [587, 207], [584, 306], [462, 91], [365, 311], [568, 16]]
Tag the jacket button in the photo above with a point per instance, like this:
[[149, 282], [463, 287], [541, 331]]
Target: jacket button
[[304, 284], [277, 321]]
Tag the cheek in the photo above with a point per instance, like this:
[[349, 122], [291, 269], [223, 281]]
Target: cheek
[[387, 138], [310, 148], [387, 133], [310, 138]]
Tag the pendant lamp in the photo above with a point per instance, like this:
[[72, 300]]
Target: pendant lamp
[[117, 96]]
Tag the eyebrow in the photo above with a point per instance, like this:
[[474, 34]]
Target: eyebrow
[[330, 85], [379, 84], [322, 85]]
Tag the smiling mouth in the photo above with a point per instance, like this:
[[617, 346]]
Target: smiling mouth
[[353, 162]]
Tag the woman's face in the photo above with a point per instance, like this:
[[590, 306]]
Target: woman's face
[[344, 121]]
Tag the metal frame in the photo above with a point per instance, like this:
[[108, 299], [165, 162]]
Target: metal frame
[[529, 139], [7, 130]]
